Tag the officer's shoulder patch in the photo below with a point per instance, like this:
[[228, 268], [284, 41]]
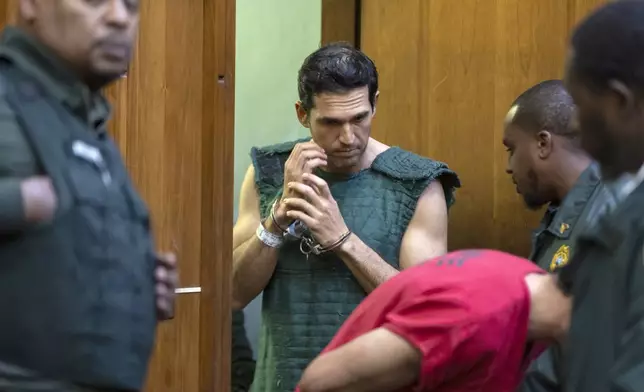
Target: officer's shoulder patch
[[560, 258]]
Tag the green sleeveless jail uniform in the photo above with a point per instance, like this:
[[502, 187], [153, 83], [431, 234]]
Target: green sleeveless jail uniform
[[306, 301]]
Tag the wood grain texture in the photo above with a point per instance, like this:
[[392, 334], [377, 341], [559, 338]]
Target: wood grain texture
[[339, 21], [173, 120], [5, 8], [8, 12], [448, 74]]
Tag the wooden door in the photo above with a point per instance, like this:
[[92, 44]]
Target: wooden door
[[449, 71], [341, 21], [173, 121], [8, 13]]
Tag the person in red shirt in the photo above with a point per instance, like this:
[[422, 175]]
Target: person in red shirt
[[466, 321]]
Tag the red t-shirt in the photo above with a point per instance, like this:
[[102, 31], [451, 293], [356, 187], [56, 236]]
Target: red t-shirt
[[466, 312]]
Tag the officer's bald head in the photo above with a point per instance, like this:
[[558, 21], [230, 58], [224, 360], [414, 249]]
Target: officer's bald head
[[546, 106], [542, 141], [94, 38]]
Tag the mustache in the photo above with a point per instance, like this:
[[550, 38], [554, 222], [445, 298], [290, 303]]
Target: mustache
[[115, 40]]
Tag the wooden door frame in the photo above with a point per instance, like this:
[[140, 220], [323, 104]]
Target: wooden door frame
[[341, 21], [216, 223]]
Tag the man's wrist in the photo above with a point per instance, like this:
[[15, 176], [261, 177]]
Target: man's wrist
[[347, 247], [278, 217], [272, 240], [272, 227], [38, 199]]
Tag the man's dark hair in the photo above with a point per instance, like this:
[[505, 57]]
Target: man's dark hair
[[609, 45], [546, 107], [336, 68]]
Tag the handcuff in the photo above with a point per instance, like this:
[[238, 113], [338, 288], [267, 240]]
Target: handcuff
[[308, 245]]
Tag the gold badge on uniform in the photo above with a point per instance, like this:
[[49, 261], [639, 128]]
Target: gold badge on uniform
[[563, 228], [560, 258]]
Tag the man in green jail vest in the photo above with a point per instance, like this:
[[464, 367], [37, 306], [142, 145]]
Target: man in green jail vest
[[549, 167], [325, 220]]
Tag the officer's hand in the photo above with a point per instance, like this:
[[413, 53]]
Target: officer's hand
[[39, 199], [304, 159], [167, 280]]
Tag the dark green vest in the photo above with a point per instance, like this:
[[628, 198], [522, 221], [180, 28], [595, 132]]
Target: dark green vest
[[306, 301], [553, 242], [78, 293], [553, 245], [605, 346]]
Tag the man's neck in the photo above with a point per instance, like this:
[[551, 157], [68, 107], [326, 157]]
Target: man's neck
[[374, 148], [568, 173]]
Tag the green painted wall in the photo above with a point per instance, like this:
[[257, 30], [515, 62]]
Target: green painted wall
[[273, 38]]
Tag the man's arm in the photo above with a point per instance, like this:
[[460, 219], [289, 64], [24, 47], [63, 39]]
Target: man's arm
[[253, 261], [11, 206], [425, 238], [378, 361], [421, 342], [24, 197]]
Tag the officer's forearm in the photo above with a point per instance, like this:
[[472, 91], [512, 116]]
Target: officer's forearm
[[25, 201], [366, 265], [253, 265], [12, 214]]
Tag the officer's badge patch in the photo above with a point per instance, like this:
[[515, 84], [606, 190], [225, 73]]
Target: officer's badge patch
[[563, 228], [560, 258]]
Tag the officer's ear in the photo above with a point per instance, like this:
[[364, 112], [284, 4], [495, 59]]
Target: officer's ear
[[544, 144]]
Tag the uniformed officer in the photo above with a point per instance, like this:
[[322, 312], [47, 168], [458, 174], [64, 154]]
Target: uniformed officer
[[548, 166], [604, 351], [81, 288]]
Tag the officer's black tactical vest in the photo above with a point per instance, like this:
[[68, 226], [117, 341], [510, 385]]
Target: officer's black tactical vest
[[77, 295], [605, 346]]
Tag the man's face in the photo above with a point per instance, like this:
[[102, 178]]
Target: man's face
[[95, 37], [341, 125], [610, 123], [524, 163]]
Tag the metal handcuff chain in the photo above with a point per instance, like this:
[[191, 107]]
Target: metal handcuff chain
[[308, 245]]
